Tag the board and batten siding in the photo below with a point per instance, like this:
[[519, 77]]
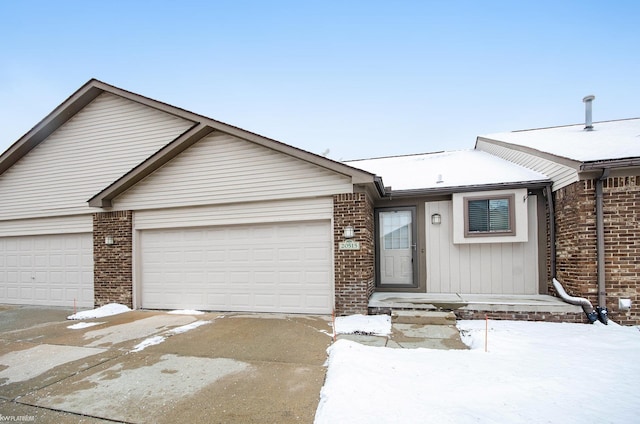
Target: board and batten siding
[[103, 141], [492, 268], [314, 209], [561, 175], [223, 169]]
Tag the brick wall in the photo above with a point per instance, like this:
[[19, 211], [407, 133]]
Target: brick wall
[[572, 317], [354, 269], [622, 246], [576, 263], [112, 275], [576, 243]]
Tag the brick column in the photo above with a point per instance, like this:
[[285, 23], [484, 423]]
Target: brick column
[[354, 269], [112, 274]]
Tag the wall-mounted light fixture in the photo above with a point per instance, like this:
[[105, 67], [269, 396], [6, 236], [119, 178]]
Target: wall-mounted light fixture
[[108, 240], [349, 232], [436, 219]]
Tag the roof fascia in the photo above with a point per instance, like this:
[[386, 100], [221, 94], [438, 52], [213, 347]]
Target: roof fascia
[[614, 163], [537, 184], [61, 114], [535, 152]]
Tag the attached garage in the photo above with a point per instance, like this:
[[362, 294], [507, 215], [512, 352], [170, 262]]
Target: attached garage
[[162, 208], [277, 267], [53, 270]]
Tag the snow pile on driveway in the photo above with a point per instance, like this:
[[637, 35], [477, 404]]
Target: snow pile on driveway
[[185, 312], [532, 372], [103, 311], [378, 325]]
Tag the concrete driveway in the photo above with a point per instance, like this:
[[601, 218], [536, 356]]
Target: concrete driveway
[[151, 366]]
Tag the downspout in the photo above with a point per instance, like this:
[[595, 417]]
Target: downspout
[[603, 313], [587, 307], [552, 229]]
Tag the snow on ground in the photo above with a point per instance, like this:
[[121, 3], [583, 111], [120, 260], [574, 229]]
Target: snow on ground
[[185, 328], [103, 311], [363, 324], [154, 340], [148, 342], [185, 312], [531, 373], [82, 325]]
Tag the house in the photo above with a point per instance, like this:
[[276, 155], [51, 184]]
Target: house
[[595, 170], [115, 197]]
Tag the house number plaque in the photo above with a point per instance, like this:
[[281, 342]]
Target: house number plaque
[[349, 245]]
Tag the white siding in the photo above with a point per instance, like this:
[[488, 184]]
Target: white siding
[[224, 169], [234, 214], [55, 225], [495, 268], [561, 175], [103, 141]]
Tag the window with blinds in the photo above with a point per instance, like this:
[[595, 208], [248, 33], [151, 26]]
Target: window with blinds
[[489, 216]]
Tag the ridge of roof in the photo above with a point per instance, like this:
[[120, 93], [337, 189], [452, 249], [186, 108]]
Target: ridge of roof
[[409, 155], [566, 126]]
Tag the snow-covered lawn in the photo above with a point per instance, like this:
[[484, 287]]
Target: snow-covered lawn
[[531, 373]]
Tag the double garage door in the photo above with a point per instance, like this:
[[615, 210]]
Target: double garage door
[[54, 270], [260, 268]]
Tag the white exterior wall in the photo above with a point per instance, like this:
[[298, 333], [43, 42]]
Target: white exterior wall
[[488, 268], [54, 225], [223, 169], [103, 141], [235, 214], [561, 175]]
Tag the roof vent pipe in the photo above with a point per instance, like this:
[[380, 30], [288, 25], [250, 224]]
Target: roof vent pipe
[[588, 121]]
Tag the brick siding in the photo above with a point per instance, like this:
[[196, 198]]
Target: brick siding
[[576, 243], [354, 269], [112, 275]]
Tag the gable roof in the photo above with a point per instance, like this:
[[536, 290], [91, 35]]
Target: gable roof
[[446, 172], [616, 141], [202, 126]]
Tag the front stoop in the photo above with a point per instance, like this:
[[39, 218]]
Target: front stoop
[[479, 306], [424, 317]]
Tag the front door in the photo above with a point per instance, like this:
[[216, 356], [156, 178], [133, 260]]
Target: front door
[[396, 247]]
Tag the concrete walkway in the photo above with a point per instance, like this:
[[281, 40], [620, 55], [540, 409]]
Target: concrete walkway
[[416, 329]]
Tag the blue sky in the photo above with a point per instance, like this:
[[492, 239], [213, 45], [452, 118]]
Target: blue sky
[[360, 78]]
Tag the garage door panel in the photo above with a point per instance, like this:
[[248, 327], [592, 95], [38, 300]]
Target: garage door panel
[[269, 268], [50, 269]]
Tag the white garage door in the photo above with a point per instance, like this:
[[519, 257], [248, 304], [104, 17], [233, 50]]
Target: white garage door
[[48, 270], [258, 268]]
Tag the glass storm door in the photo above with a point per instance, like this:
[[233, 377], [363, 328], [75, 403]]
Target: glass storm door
[[396, 248]]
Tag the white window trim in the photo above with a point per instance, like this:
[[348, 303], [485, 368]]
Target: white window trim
[[520, 217]]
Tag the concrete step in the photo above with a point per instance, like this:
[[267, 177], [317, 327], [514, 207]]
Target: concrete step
[[423, 317]]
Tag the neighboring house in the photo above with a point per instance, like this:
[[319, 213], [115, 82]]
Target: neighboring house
[[115, 197], [595, 169]]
